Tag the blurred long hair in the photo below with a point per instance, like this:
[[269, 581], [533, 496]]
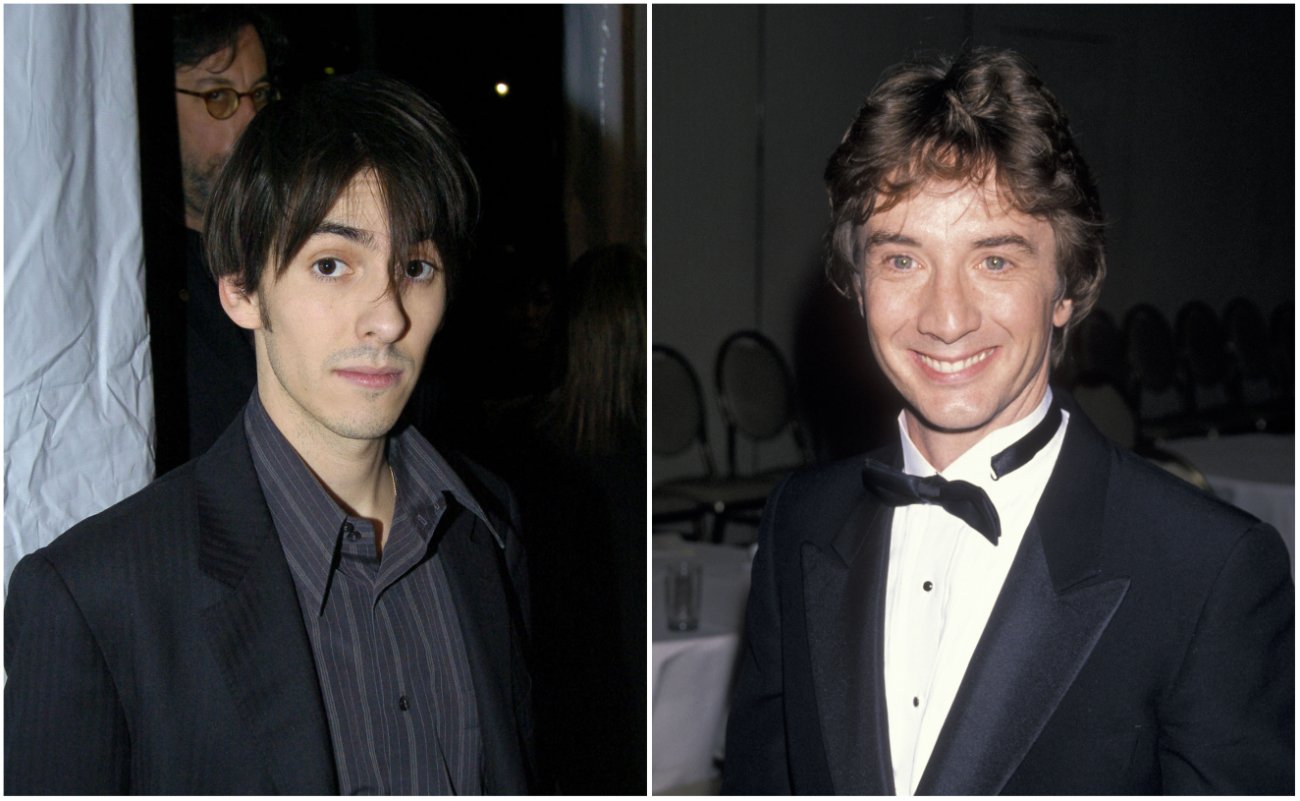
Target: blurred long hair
[[603, 396]]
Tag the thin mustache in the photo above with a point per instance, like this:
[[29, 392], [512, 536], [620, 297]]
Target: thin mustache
[[370, 357]]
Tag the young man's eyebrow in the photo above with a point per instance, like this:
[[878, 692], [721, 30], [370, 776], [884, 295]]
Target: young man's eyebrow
[[1006, 240], [878, 238], [363, 238]]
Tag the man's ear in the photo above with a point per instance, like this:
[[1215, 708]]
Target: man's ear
[[241, 306], [1062, 312]]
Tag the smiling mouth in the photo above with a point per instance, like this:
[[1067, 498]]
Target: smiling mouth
[[950, 367]]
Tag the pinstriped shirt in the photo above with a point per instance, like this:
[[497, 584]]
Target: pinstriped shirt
[[390, 657]]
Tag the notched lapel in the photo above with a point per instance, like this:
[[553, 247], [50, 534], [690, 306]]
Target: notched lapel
[[255, 628], [1052, 610], [844, 598]]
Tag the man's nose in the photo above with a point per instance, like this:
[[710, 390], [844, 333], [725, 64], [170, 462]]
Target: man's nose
[[949, 308], [383, 319]]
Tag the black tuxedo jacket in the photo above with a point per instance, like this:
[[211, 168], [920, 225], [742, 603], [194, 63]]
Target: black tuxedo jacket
[[1144, 642], [158, 647]]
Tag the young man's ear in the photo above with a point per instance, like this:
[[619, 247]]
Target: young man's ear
[[241, 306]]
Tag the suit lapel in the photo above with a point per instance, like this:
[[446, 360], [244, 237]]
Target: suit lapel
[[255, 626], [844, 597], [1051, 611], [490, 621]]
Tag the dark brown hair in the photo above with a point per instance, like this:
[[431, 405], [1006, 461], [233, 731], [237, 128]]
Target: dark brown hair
[[200, 31], [299, 155], [602, 398], [984, 112]]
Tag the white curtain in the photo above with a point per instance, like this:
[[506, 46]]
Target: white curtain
[[605, 97], [78, 403]]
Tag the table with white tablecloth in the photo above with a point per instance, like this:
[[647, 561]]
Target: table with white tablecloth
[[1255, 472], [693, 671]]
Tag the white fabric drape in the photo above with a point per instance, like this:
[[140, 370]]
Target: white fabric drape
[[605, 98], [78, 402]]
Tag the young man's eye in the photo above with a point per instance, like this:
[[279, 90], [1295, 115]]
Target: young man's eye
[[995, 263], [420, 270], [328, 268], [901, 262]]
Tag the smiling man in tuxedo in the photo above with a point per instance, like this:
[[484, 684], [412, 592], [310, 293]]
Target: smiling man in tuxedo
[[322, 603], [1003, 601]]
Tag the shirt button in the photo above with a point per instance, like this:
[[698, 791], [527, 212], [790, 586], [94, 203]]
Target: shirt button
[[403, 704], [927, 586], [350, 532], [916, 701]]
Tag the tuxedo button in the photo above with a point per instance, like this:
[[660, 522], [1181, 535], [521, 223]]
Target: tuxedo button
[[403, 704], [927, 586]]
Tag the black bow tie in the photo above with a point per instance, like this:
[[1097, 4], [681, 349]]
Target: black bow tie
[[961, 499]]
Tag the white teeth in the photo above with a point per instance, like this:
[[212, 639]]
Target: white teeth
[[953, 367]]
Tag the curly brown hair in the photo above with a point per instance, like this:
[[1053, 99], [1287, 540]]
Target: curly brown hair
[[984, 112]]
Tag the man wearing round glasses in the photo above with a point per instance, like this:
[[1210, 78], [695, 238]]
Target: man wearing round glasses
[[224, 58], [220, 93]]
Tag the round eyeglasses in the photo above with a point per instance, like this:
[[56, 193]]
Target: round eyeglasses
[[223, 103]]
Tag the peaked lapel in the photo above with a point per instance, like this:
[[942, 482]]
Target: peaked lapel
[[255, 628], [844, 579], [491, 623], [1052, 610]]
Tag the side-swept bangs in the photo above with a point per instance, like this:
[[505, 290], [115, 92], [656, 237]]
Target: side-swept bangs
[[298, 156]]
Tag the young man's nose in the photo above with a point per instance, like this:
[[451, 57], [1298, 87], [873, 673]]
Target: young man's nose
[[948, 307], [383, 318]]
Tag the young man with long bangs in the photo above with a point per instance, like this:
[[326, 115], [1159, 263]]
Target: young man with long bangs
[[321, 603]]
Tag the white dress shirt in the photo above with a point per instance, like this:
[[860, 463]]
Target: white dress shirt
[[944, 578]]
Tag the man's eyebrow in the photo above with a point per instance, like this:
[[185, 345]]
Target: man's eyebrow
[[363, 238], [1005, 240], [221, 80], [878, 238]]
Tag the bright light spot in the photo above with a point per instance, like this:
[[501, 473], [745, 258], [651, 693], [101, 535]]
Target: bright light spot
[[503, 89], [329, 70]]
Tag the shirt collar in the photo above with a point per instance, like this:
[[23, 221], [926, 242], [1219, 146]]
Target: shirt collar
[[975, 465], [309, 521]]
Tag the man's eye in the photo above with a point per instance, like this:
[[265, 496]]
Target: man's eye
[[995, 263], [902, 262], [421, 270], [216, 95], [328, 268]]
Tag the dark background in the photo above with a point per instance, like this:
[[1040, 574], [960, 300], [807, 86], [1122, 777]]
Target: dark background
[[1185, 114]]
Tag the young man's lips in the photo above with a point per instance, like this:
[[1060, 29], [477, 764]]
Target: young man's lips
[[954, 368], [370, 377]]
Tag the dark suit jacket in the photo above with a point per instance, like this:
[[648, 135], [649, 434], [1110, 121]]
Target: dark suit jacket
[[158, 647], [1144, 642]]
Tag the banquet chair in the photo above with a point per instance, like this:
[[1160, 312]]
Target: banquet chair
[[1281, 360], [1095, 352], [678, 428], [756, 394], [1246, 331], [1108, 409], [1207, 363], [757, 402], [1155, 386]]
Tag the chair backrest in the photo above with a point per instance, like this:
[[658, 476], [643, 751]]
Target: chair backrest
[[1150, 346], [755, 391], [677, 412], [1247, 335], [1096, 349], [1281, 332], [1202, 344]]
